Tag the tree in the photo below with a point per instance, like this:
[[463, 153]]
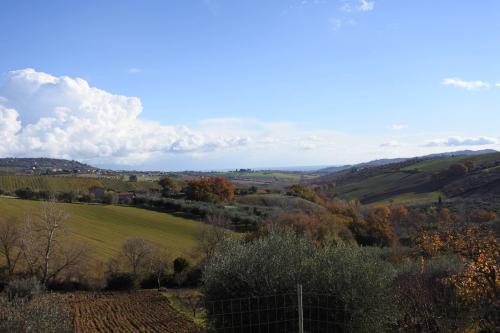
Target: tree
[[132, 178], [137, 253], [43, 246], [110, 197], [159, 264], [210, 189], [211, 234], [168, 186], [305, 192], [10, 243], [180, 265]]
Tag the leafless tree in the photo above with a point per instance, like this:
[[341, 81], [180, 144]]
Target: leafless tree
[[43, 244], [10, 243], [137, 253], [210, 235], [159, 264]]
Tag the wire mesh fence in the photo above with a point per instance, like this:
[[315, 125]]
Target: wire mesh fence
[[283, 313]]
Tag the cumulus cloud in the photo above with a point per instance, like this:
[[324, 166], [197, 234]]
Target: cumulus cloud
[[468, 85], [460, 141], [44, 115]]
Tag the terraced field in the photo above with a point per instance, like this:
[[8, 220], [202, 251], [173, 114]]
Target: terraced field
[[104, 228], [141, 311]]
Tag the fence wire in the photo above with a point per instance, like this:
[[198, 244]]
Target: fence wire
[[277, 314]]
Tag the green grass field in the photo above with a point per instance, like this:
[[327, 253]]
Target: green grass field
[[105, 228], [10, 183]]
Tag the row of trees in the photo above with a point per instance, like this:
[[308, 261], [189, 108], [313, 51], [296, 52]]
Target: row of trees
[[108, 196]]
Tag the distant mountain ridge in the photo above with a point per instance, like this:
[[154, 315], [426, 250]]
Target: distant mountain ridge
[[386, 161]]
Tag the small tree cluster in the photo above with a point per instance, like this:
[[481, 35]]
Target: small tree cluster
[[211, 189]]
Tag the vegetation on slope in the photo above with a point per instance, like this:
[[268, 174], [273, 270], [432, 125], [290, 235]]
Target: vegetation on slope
[[105, 228]]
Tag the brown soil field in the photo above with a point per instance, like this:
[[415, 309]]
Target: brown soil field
[[140, 311]]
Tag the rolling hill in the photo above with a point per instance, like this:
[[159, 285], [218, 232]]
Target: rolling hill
[[12, 164], [416, 179], [105, 228], [386, 161], [10, 183]]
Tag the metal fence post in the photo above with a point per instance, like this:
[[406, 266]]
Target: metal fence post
[[300, 308]]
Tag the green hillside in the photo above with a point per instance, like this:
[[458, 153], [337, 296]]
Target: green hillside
[[10, 183], [417, 180], [104, 228]]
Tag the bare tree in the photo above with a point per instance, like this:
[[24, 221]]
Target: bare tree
[[159, 264], [43, 245], [137, 253], [212, 234], [10, 243]]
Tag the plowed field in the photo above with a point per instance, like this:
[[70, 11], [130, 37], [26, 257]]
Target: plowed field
[[141, 311]]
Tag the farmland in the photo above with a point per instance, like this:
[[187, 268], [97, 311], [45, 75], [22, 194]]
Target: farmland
[[416, 179], [104, 228], [141, 311], [10, 183]]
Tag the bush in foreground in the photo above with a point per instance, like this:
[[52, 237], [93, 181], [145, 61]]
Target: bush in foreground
[[357, 278]]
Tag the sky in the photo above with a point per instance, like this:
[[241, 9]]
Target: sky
[[223, 84]]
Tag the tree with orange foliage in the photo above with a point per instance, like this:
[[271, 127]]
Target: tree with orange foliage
[[305, 192], [478, 285], [211, 189], [379, 227]]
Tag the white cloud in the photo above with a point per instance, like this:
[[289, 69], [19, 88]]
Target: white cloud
[[398, 127], [44, 115], [469, 85], [497, 85], [460, 141], [366, 6]]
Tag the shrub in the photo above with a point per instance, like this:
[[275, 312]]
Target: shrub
[[43, 314], [180, 265], [25, 193], [23, 289], [357, 278], [427, 299], [121, 281]]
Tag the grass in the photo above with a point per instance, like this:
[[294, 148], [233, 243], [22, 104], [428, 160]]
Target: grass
[[104, 228], [272, 175], [184, 300], [376, 184], [10, 183], [412, 198], [435, 165]]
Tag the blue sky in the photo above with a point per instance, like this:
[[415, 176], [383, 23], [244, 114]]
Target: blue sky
[[223, 84]]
